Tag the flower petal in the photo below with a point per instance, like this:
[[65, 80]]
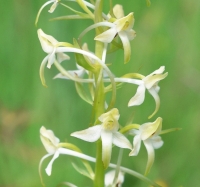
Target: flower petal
[[109, 177], [114, 113], [126, 45], [51, 59], [121, 141], [131, 34], [40, 165], [153, 80], [49, 140], [47, 41], [156, 97], [156, 142], [118, 11], [53, 7], [91, 134], [61, 57], [151, 156], [42, 7], [138, 98], [151, 128], [74, 73], [42, 66], [125, 23], [107, 36], [136, 146], [106, 138], [49, 167]]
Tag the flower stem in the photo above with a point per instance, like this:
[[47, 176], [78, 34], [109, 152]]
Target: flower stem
[[99, 100]]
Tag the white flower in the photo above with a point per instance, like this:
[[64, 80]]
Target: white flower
[[149, 134], [123, 27], [52, 146], [49, 46], [109, 178], [51, 10], [107, 130], [150, 83]]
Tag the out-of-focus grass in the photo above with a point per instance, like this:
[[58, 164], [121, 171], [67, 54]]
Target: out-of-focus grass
[[167, 34]]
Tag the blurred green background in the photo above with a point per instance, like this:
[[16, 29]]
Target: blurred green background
[[167, 34]]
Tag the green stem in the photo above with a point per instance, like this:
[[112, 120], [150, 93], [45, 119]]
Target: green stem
[[99, 100]]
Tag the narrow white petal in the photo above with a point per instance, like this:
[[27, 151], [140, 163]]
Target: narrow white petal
[[151, 155], [49, 167], [91, 134], [61, 57], [42, 66], [42, 7], [138, 98], [121, 141], [106, 138], [156, 97], [136, 146], [40, 165], [76, 154], [157, 142], [126, 45], [74, 73], [107, 36], [51, 59]]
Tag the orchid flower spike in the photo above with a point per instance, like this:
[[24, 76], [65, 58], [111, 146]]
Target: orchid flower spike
[[150, 82], [109, 178], [149, 134], [123, 27], [51, 10], [108, 131]]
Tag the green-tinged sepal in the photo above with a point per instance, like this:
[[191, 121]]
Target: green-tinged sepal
[[83, 171], [85, 8], [70, 17], [81, 92], [82, 61], [83, 15]]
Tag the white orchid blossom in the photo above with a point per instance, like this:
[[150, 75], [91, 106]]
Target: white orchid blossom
[[49, 46], [53, 147], [123, 27], [150, 83], [109, 178], [149, 134], [108, 133], [51, 10]]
